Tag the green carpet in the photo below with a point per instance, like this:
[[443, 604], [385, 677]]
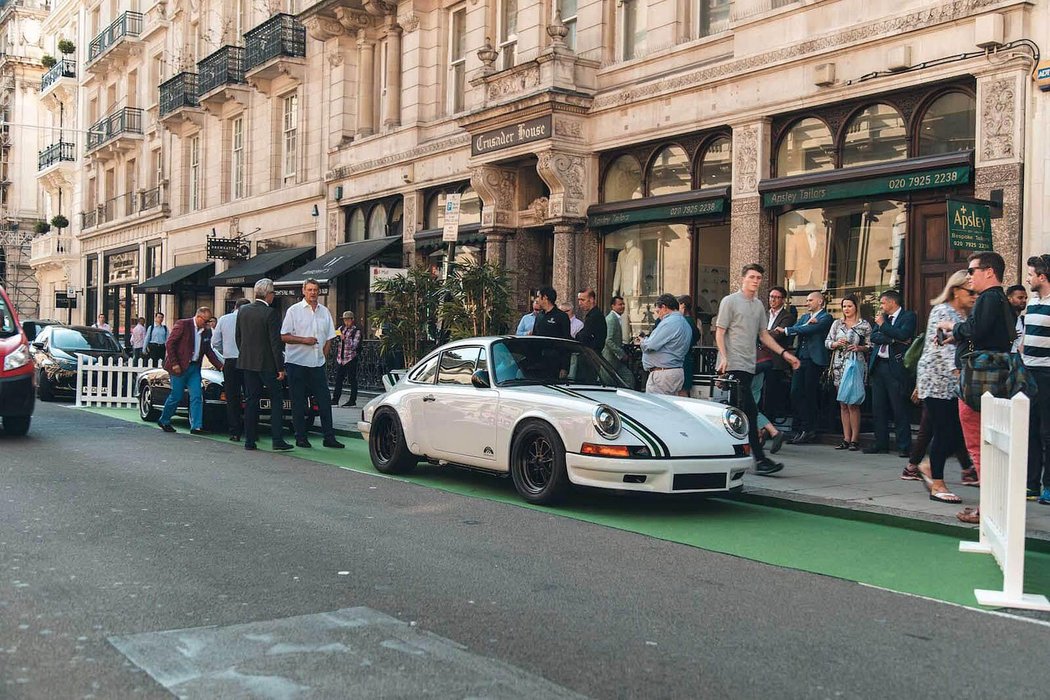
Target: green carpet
[[905, 560]]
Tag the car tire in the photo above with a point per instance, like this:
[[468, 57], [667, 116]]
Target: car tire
[[147, 412], [537, 463], [16, 426], [387, 446], [45, 390]]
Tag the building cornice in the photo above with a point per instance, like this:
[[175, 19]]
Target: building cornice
[[447, 144]]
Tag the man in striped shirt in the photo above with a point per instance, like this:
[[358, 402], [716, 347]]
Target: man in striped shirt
[[1036, 355]]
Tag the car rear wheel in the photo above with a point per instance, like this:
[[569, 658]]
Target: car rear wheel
[[387, 446], [146, 410], [16, 426], [537, 464], [45, 390]]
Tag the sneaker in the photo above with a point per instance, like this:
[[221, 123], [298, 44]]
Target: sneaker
[[766, 466], [911, 473], [1032, 494], [777, 442], [1044, 497]]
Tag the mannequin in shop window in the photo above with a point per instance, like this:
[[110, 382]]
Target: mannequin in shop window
[[627, 278], [806, 250]]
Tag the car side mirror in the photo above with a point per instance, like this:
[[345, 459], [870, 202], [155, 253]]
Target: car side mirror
[[38, 344], [480, 379]]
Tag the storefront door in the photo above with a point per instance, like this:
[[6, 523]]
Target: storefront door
[[932, 259]]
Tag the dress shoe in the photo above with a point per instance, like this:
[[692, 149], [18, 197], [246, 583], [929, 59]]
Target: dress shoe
[[766, 466], [302, 443], [334, 444], [777, 441], [875, 450], [196, 431], [349, 404], [235, 438], [282, 446], [250, 446], [167, 428]]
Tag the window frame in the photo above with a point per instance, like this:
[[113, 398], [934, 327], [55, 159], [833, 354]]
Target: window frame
[[238, 182], [571, 23], [476, 349], [642, 7], [194, 157], [456, 89], [506, 40], [703, 9], [289, 136]]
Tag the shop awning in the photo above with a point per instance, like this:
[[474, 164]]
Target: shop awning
[[431, 238], [165, 282], [338, 261], [254, 269], [708, 201]]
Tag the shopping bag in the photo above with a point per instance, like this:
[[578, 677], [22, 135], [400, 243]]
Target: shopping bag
[[851, 388]]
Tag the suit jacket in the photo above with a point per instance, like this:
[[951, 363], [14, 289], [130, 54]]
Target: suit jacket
[[594, 330], [613, 350], [179, 348], [808, 264], [811, 338], [259, 338], [898, 335], [785, 319]]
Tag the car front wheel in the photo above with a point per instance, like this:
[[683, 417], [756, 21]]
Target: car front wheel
[[387, 446], [45, 390], [16, 426], [146, 410], [537, 464]]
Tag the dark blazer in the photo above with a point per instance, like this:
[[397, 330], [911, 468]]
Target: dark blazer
[[594, 330], [990, 326], [259, 338], [785, 319], [898, 335], [811, 338], [179, 348]]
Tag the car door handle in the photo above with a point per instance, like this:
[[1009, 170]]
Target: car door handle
[[429, 397]]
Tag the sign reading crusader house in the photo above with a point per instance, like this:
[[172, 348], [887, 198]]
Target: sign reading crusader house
[[969, 226], [512, 135]]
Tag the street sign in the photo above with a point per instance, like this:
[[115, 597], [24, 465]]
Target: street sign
[[376, 273], [450, 232], [71, 291], [65, 301], [228, 249], [969, 226]]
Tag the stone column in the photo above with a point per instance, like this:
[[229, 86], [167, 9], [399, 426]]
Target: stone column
[[496, 246], [341, 108], [751, 232], [565, 275], [411, 222], [365, 85], [392, 99], [999, 159]]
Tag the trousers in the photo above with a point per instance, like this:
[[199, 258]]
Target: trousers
[[805, 394], [341, 373], [889, 392], [304, 382], [745, 401], [253, 385], [189, 380], [946, 431], [233, 386]]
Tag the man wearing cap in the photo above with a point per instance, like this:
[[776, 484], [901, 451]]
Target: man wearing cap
[[346, 359]]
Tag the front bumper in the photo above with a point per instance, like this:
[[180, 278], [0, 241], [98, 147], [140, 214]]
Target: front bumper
[[699, 475], [364, 427], [17, 395]]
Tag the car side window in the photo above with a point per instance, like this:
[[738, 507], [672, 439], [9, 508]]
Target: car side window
[[483, 361], [426, 372], [457, 366]]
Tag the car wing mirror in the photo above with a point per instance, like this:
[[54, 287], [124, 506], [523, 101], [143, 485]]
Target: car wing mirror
[[38, 344], [480, 379]]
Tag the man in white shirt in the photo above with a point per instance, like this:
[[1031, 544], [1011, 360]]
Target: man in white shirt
[[224, 341], [307, 332], [575, 324], [138, 339], [101, 323]]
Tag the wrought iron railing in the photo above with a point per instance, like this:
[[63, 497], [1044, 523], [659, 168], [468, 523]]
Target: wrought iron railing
[[65, 68], [88, 219], [177, 92], [281, 35], [128, 24], [127, 120], [370, 367], [150, 199], [224, 67], [55, 153], [123, 205]]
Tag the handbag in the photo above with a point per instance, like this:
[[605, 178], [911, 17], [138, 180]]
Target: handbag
[[914, 352], [851, 387], [1001, 374]]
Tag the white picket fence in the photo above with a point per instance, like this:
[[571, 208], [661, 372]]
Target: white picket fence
[[1004, 473], [109, 381]]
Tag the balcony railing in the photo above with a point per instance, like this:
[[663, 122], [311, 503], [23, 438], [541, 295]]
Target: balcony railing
[[127, 120], [178, 92], [88, 219], [128, 24], [56, 153], [224, 67], [281, 35], [150, 199], [65, 68], [51, 245], [127, 204]]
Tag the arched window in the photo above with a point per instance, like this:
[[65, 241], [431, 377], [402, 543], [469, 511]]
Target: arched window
[[669, 172], [434, 216], [807, 147], [469, 207], [716, 167], [876, 134], [948, 125], [623, 180], [377, 222], [397, 215], [355, 231]]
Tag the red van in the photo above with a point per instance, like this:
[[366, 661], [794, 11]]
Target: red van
[[17, 392]]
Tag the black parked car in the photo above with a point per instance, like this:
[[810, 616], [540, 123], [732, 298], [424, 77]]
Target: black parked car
[[56, 349], [33, 326]]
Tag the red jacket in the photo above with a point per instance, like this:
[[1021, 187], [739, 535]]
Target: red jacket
[[180, 346]]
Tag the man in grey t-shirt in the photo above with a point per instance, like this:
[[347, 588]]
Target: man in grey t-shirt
[[740, 326]]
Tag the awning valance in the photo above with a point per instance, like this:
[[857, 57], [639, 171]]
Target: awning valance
[[338, 261], [262, 265], [708, 201], [165, 282]]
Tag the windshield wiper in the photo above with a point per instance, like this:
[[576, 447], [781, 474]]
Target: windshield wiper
[[523, 382]]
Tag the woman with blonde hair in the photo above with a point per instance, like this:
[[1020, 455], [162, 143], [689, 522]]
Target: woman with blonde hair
[[938, 381], [848, 340]]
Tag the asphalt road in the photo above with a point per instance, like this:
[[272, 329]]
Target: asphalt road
[[112, 535]]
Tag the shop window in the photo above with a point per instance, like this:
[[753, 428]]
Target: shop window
[[377, 222], [948, 125], [642, 262], [355, 230], [716, 168], [434, 215], [669, 172], [469, 208], [843, 248], [807, 147], [623, 180], [876, 134]]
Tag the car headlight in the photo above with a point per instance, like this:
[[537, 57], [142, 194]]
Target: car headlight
[[607, 422], [19, 357], [735, 422]]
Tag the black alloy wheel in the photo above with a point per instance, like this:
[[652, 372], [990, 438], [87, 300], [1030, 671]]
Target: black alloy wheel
[[537, 464], [387, 446]]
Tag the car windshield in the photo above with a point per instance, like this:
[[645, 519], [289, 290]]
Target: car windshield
[[7, 320], [71, 339], [518, 361]]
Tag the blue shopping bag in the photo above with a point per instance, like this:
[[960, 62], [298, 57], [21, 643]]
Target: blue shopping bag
[[851, 388]]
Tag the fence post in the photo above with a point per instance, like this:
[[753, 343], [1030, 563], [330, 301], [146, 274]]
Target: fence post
[[80, 379]]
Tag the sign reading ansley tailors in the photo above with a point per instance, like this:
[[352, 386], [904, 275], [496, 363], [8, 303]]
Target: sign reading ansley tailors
[[659, 213], [511, 135], [969, 226], [892, 184]]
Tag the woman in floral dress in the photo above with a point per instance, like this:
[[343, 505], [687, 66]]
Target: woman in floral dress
[[848, 338]]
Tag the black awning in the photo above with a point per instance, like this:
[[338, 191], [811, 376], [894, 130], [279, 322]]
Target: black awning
[[254, 269], [431, 238], [338, 261], [165, 282]]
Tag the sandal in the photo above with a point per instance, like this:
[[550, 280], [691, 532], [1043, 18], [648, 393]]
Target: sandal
[[842, 445], [945, 497], [854, 446], [970, 477], [970, 515]]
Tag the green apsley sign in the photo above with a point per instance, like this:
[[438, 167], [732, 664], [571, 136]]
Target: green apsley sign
[[969, 226]]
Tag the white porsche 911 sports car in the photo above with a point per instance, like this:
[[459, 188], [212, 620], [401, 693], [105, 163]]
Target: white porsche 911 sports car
[[552, 413]]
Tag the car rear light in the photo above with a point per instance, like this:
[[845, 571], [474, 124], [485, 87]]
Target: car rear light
[[589, 448]]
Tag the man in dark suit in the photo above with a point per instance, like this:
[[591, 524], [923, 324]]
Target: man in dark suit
[[811, 330], [262, 361], [593, 333], [890, 382], [188, 342]]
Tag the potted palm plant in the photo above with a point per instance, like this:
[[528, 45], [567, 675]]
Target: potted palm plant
[[59, 221]]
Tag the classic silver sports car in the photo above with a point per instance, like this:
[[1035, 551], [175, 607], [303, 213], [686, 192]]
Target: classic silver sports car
[[552, 413]]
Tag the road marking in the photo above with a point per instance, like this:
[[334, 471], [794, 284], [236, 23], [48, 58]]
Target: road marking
[[354, 652], [974, 608]]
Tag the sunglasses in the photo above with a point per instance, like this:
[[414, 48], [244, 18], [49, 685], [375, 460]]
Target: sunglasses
[[973, 270], [968, 291]]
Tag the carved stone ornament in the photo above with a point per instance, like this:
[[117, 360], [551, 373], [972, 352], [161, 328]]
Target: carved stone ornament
[[564, 174], [333, 227], [380, 8], [539, 207], [497, 188], [998, 118], [568, 128], [557, 30], [352, 20], [335, 58], [515, 83], [745, 153], [487, 55], [409, 22], [408, 218], [323, 28]]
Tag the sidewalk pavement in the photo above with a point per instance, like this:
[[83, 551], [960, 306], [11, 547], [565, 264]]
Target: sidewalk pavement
[[866, 485]]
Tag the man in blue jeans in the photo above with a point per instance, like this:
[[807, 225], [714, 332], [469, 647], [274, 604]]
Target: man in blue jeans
[[189, 341], [307, 332]]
